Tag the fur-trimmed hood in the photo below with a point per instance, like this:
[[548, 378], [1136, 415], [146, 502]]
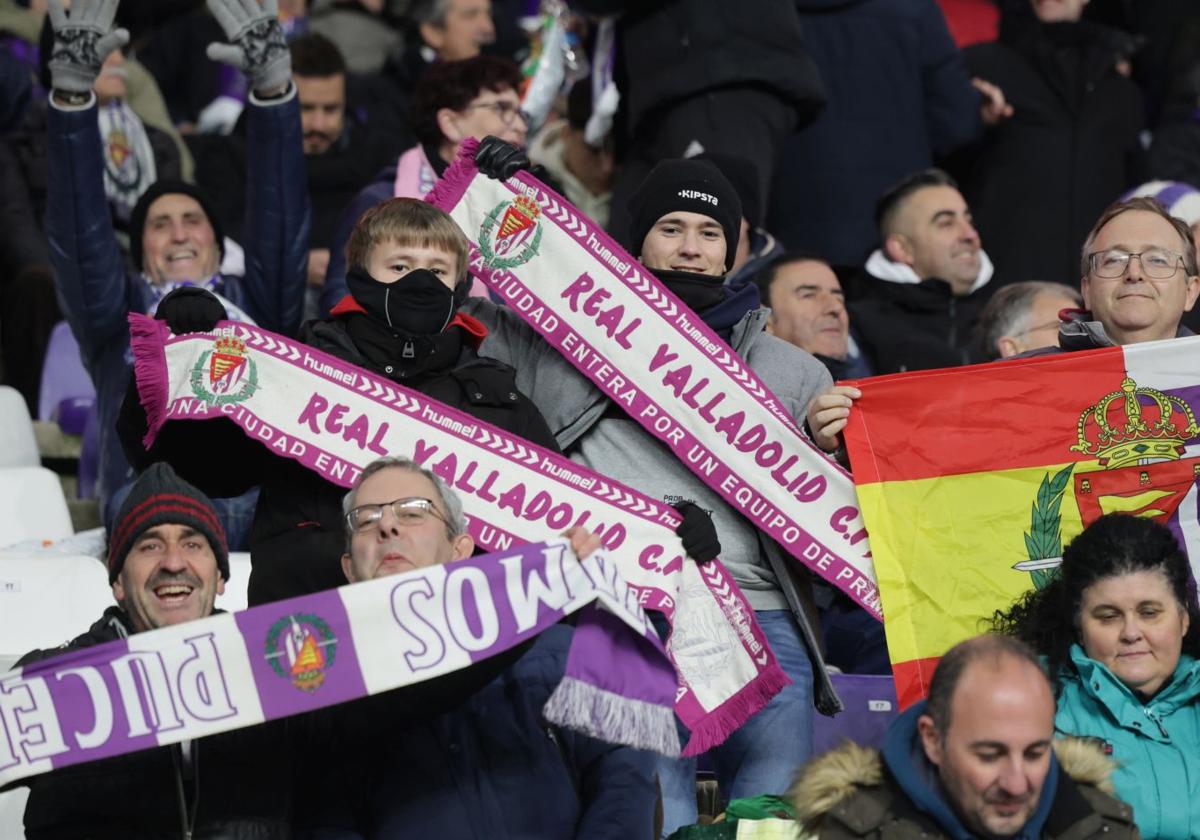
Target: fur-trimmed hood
[[831, 778]]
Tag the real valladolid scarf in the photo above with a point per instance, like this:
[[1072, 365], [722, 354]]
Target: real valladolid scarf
[[602, 310], [231, 671], [335, 418]]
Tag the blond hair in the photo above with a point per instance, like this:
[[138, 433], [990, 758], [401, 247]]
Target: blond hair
[[411, 222]]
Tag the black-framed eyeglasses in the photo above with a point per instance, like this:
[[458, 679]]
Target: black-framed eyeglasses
[[505, 110], [1157, 263], [409, 512]]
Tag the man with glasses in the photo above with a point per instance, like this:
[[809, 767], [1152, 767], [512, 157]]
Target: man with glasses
[[1139, 277], [491, 767], [1024, 317]]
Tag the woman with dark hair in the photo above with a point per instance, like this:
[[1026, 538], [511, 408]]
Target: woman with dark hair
[[1119, 629]]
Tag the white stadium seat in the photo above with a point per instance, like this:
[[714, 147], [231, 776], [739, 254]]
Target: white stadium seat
[[18, 447], [32, 506]]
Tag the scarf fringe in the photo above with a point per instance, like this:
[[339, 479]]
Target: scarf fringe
[[720, 723], [147, 340], [453, 184], [607, 716]]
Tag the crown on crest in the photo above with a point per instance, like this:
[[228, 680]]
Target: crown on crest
[[528, 206], [1135, 425], [230, 346]]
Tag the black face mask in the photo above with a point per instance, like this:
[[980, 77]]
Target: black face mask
[[698, 291], [419, 303]]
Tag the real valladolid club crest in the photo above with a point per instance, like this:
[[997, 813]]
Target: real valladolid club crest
[[1137, 436], [301, 648], [511, 233], [224, 374]]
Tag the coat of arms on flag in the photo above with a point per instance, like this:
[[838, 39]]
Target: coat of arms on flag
[[972, 479]]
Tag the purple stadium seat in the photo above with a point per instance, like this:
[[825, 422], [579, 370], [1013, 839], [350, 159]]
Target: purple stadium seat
[[870, 707], [64, 379]]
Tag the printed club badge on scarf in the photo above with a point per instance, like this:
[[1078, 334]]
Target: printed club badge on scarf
[[681, 382], [231, 671], [335, 418]]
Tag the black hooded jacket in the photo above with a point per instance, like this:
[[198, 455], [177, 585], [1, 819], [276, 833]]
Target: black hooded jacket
[[298, 536]]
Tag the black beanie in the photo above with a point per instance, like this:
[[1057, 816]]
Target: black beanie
[[743, 175], [692, 186], [159, 497], [161, 187]]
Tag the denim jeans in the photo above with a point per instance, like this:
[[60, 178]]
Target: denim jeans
[[764, 754], [236, 514]]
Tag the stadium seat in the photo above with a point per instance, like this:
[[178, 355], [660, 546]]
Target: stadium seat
[[89, 457], [12, 813], [235, 595], [48, 599], [18, 446], [870, 707], [63, 378], [32, 507]]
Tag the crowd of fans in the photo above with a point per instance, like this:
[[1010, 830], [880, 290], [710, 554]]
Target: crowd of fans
[[838, 189]]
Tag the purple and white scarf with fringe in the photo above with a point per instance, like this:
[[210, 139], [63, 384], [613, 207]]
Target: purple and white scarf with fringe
[[335, 418], [234, 670]]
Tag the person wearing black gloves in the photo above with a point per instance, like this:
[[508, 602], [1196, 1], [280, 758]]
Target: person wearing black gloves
[[400, 320], [686, 219], [175, 238]]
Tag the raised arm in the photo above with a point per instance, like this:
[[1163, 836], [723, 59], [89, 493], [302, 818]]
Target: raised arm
[[277, 206], [89, 273]]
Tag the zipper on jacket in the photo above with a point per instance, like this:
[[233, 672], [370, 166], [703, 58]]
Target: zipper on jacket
[[1157, 722]]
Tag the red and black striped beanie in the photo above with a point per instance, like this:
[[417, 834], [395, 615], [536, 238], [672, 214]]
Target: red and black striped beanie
[[159, 497]]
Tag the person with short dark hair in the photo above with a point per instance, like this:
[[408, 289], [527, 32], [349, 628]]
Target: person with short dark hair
[[167, 562], [454, 100], [1024, 316], [976, 759], [920, 293], [1119, 628]]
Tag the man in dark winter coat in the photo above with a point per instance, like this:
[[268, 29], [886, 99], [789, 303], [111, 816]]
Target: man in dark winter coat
[[492, 767], [916, 302], [1039, 179], [898, 95], [175, 239], [167, 562], [705, 75], [686, 218], [977, 759], [401, 321]]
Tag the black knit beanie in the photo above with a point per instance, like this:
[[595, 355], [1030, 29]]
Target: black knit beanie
[[693, 186], [159, 497], [161, 187]]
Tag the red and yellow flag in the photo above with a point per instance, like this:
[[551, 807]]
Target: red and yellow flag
[[972, 479]]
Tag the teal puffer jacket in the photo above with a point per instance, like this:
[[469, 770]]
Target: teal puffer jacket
[[1156, 745]]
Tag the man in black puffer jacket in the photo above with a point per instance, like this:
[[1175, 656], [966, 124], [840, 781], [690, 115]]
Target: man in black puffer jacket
[[407, 279]]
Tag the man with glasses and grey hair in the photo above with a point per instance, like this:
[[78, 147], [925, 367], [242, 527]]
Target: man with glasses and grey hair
[[1139, 276], [491, 766], [1024, 317]]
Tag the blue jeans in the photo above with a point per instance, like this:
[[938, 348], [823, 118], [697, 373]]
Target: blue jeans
[[236, 514], [764, 754]]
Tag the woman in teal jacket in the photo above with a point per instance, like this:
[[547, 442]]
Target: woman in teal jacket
[[1120, 629]]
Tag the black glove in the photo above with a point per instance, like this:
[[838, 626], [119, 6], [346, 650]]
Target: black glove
[[499, 159], [190, 309], [697, 532]]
